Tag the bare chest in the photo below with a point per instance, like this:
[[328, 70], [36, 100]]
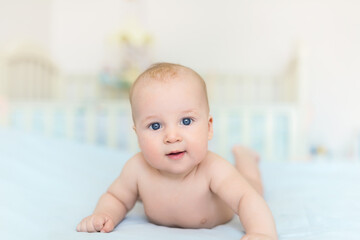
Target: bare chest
[[183, 204]]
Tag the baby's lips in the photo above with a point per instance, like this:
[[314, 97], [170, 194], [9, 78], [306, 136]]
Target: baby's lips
[[176, 155], [175, 152]]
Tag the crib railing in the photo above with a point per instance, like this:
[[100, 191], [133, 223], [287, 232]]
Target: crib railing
[[272, 130]]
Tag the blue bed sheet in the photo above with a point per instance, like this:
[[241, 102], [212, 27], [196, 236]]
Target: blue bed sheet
[[48, 185]]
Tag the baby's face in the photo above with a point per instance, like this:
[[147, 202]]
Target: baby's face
[[172, 123]]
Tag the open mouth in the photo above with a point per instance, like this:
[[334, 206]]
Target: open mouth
[[176, 155]]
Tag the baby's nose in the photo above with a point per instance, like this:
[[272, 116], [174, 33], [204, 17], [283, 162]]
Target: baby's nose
[[172, 136]]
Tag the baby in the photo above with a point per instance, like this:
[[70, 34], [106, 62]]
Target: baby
[[180, 182]]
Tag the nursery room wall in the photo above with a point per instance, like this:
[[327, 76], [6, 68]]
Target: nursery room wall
[[25, 21], [222, 37]]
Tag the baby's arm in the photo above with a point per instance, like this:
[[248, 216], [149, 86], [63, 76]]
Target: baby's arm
[[252, 209], [113, 205]]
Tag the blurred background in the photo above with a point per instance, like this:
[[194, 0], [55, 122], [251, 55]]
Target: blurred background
[[283, 76]]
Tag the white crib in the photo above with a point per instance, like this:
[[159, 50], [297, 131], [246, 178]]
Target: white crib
[[272, 130], [265, 113]]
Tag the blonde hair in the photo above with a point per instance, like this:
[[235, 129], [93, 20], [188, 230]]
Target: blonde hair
[[166, 72]]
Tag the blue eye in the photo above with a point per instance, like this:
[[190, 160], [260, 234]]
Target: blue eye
[[155, 126], [186, 121]]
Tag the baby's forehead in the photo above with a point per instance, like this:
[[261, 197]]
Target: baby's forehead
[[174, 78]]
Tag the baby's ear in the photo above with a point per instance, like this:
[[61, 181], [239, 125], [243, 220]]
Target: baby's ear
[[210, 128], [134, 128]]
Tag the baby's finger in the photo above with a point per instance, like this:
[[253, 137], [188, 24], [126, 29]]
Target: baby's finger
[[83, 225], [89, 225], [78, 227], [99, 223], [108, 226]]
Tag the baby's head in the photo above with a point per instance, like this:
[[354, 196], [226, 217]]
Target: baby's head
[[171, 117], [168, 73]]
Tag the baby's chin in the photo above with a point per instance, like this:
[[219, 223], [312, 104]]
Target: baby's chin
[[178, 171]]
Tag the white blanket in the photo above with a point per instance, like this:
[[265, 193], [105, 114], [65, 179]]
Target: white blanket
[[48, 185]]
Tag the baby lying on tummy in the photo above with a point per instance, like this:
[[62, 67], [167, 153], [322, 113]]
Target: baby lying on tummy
[[180, 182]]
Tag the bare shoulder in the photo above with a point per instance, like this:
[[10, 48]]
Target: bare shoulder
[[135, 162], [128, 179], [217, 169], [216, 165], [132, 168], [220, 171]]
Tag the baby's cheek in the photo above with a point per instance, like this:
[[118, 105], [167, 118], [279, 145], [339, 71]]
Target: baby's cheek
[[145, 144], [199, 147], [149, 147]]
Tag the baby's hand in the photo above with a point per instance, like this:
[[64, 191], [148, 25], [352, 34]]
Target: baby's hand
[[257, 236], [96, 223]]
